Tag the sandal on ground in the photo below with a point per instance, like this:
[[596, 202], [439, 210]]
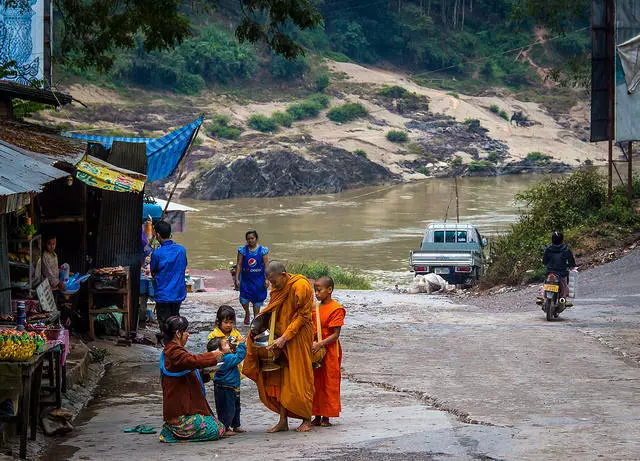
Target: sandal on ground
[[138, 428]]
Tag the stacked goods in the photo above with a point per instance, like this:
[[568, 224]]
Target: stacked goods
[[109, 278], [119, 270], [19, 346]]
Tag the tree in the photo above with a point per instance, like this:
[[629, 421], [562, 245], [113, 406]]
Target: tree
[[94, 31]]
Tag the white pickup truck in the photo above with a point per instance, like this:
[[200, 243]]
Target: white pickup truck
[[451, 250]]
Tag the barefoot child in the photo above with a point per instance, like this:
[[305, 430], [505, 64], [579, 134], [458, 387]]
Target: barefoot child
[[326, 401], [226, 383]]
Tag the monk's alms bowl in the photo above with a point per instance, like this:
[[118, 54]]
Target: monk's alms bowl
[[268, 359], [260, 324]]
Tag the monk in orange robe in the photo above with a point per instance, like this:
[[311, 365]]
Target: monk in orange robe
[[289, 390], [326, 401]]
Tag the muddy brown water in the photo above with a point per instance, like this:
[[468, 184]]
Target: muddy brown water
[[371, 229]]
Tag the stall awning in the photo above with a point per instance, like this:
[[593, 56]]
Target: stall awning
[[20, 175], [163, 154], [98, 173]]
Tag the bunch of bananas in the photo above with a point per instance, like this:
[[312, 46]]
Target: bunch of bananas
[[19, 346]]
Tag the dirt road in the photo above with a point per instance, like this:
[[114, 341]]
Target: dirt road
[[425, 377]]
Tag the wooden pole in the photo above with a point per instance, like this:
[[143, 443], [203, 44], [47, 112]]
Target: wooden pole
[[182, 167], [455, 179], [630, 172], [611, 73]]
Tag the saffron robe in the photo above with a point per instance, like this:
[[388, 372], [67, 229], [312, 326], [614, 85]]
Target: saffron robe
[[326, 401], [292, 385]]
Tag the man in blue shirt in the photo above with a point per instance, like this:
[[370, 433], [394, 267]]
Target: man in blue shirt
[[168, 265]]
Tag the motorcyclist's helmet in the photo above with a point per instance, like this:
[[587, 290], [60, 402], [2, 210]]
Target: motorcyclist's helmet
[[557, 238]]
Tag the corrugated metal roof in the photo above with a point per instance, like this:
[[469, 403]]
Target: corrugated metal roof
[[42, 142], [20, 173]]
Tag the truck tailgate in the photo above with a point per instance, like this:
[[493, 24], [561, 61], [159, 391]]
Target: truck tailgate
[[441, 258]]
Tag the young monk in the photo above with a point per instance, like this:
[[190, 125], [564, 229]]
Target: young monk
[[326, 400]]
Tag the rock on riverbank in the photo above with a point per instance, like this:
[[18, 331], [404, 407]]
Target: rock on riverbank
[[327, 169]]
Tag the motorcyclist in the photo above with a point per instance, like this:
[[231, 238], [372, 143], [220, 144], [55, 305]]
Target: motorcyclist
[[559, 259]]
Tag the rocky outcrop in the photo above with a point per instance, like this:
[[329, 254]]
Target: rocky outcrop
[[283, 172]]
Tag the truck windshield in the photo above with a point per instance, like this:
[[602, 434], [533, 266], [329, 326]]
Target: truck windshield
[[450, 237]]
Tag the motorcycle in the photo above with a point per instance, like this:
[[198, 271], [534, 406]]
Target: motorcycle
[[552, 303]]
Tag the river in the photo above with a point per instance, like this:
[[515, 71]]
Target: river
[[370, 229]]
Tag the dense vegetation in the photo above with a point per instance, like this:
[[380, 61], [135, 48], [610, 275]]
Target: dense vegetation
[[576, 205], [475, 42]]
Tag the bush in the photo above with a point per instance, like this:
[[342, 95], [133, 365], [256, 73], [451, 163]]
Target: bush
[[454, 94], [397, 136], [282, 118], [341, 277], [304, 110], [575, 204], [321, 99], [285, 68], [263, 123], [360, 153], [394, 92], [347, 112], [423, 169], [500, 112], [216, 56], [322, 81], [538, 157], [23, 109], [456, 161], [309, 108], [493, 157], [220, 128], [480, 165]]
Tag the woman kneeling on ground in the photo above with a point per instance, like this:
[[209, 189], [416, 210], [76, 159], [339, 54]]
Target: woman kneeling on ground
[[185, 410]]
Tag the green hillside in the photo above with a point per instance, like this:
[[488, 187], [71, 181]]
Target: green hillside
[[456, 44]]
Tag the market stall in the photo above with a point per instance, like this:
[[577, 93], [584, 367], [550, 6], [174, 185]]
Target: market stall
[[23, 356]]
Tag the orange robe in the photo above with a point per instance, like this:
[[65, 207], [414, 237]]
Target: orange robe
[[326, 401], [292, 385]]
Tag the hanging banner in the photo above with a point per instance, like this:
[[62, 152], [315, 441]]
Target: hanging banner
[[97, 173]]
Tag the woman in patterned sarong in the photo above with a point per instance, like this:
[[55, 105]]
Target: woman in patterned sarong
[[185, 410]]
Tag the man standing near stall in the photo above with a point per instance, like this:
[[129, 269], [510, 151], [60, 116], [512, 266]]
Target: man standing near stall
[[168, 265]]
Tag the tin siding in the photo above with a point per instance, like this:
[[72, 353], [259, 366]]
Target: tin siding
[[119, 241], [5, 283]]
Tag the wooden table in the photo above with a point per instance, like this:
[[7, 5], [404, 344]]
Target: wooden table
[[28, 378]]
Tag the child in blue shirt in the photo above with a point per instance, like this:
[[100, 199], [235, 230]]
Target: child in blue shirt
[[226, 382]]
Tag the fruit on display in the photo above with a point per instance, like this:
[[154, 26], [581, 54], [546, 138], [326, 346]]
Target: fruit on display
[[18, 346]]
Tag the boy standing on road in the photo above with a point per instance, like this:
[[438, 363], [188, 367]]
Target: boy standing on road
[[168, 265]]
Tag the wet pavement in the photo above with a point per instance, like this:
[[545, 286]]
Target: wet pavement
[[425, 377]]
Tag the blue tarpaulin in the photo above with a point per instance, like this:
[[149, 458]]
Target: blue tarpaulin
[[163, 154]]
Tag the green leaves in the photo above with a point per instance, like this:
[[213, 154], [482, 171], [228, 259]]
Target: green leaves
[[91, 33]]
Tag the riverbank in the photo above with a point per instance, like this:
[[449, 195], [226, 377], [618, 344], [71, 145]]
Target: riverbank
[[441, 134], [452, 380]]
